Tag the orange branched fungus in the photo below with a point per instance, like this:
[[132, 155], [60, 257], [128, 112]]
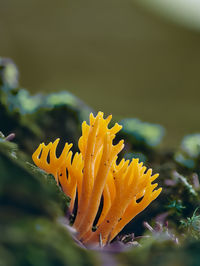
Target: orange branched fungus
[[93, 175]]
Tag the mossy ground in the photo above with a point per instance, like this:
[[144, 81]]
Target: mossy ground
[[32, 205]]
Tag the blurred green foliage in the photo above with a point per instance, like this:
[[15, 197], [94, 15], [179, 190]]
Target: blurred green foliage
[[142, 133], [163, 253], [189, 152], [30, 204]]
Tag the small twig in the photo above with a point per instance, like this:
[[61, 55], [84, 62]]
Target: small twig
[[100, 241], [195, 180], [148, 226], [185, 182], [10, 137]]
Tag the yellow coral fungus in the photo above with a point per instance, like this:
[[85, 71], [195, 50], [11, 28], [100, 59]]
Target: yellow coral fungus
[[94, 174]]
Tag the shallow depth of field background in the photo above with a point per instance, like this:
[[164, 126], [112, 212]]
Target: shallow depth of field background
[[120, 56]]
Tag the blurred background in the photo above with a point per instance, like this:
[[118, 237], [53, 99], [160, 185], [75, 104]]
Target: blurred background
[[125, 57]]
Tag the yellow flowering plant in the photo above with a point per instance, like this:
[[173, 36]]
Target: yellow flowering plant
[[94, 176]]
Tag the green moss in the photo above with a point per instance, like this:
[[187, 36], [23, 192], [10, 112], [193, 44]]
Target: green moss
[[142, 133], [30, 204]]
